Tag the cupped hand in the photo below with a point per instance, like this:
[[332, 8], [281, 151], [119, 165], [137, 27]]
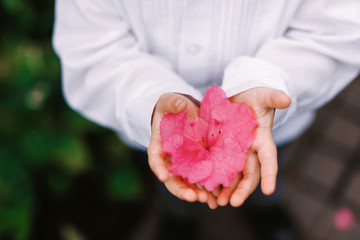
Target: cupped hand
[[160, 161], [262, 156]]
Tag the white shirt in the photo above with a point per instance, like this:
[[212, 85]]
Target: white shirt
[[119, 56]]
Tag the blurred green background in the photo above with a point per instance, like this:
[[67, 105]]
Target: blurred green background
[[65, 178], [58, 171]]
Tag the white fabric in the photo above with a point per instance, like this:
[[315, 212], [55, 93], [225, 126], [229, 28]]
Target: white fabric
[[118, 57]]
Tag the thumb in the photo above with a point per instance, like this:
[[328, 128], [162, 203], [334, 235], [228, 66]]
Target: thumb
[[277, 99], [171, 103]]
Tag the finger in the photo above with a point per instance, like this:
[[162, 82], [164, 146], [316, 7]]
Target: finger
[[157, 164], [180, 189], [216, 191], [171, 103], [264, 97], [267, 154], [212, 203], [269, 169], [248, 183], [277, 99], [176, 103], [202, 195], [225, 194]]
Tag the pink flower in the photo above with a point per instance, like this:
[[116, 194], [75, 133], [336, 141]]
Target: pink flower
[[211, 149], [344, 219]]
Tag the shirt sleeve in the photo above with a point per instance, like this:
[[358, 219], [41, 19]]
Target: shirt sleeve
[[106, 75], [317, 56]]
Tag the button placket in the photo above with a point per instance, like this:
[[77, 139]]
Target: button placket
[[193, 49], [194, 43]]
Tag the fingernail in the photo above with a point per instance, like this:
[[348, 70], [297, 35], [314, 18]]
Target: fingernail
[[179, 102], [199, 186]]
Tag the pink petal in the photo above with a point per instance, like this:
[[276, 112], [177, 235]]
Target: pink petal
[[190, 164], [173, 143], [181, 139], [234, 119], [228, 160], [196, 130], [214, 96], [172, 124], [344, 219]]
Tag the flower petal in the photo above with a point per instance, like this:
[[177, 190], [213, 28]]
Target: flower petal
[[196, 130], [192, 162], [214, 97], [232, 119], [173, 143], [228, 160], [181, 138], [172, 124]]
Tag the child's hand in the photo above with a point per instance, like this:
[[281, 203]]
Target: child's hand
[[262, 159], [158, 160]]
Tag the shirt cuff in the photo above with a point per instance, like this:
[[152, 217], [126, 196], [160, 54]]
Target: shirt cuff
[[244, 73]]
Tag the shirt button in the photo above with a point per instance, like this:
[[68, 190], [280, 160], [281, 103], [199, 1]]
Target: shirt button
[[193, 49]]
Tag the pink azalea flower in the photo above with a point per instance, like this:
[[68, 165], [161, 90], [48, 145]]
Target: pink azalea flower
[[211, 149]]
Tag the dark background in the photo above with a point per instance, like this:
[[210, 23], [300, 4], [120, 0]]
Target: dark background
[[59, 173]]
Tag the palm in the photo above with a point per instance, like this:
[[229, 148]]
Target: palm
[[262, 157], [159, 161]]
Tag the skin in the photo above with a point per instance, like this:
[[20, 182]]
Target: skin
[[158, 160], [262, 157]]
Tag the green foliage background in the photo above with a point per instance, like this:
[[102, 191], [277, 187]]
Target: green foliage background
[[38, 132]]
